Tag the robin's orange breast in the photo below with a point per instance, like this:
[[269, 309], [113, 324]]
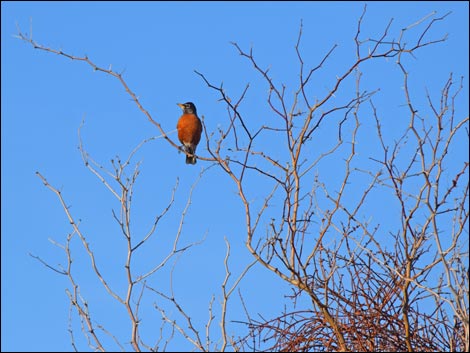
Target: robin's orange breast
[[189, 129]]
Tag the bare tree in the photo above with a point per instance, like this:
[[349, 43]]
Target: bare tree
[[317, 236], [363, 277]]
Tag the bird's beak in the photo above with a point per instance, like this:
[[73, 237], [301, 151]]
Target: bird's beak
[[180, 105]]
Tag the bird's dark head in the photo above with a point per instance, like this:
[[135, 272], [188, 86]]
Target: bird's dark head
[[188, 108]]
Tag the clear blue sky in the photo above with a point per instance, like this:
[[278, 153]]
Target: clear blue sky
[[157, 45]]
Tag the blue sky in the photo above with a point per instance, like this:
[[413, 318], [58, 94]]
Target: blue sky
[[158, 45]]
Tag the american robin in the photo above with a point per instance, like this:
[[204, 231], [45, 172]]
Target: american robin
[[189, 130]]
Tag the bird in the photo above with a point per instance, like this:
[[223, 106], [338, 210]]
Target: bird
[[189, 128]]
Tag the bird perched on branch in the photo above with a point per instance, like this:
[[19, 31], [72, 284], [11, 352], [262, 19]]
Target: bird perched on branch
[[189, 130]]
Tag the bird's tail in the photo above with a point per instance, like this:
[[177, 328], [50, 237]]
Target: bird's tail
[[192, 158]]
